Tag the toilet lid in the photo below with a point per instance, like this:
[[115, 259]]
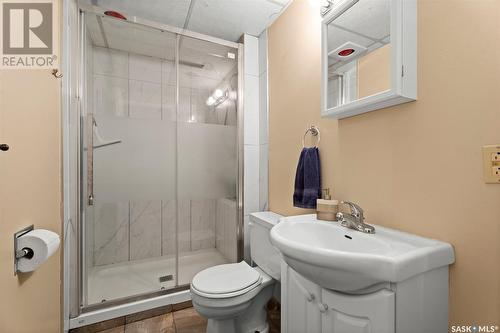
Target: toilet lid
[[225, 279]]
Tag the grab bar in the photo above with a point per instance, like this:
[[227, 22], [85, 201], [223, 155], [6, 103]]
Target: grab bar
[[108, 144], [90, 159]]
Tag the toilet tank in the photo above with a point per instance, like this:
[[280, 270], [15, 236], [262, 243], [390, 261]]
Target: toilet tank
[[262, 252]]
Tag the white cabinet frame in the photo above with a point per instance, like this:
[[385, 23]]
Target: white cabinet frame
[[403, 61]]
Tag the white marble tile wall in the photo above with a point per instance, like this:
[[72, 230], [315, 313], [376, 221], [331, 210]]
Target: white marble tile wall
[[111, 233], [219, 227], [251, 108], [110, 62], [145, 100], [192, 105], [251, 174], [110, 96], [225, 228], [168, 230], [168, 86], [251, 124], [137, 86], [144, 68], [184, 225], [255, 128], [263, 177], [134, 86], [202, 224], [145, 229], [263, 123], [111, 89]]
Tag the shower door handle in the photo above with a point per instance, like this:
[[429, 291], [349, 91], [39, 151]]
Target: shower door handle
[[90, 159]]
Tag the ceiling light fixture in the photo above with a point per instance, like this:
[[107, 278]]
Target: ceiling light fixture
[[346, 52]]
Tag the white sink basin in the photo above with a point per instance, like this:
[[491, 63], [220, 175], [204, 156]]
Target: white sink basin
[[343, 259]]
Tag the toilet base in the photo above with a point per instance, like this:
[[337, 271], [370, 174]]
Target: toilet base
[[250, 320], [229, 326], [221, 325]]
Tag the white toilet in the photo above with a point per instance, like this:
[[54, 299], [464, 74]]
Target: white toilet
[[233, 297]]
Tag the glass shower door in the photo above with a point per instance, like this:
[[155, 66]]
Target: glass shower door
[[206, 156], [129, 160], [159, 163]]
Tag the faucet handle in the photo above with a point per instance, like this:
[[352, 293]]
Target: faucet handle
[[356, 210]]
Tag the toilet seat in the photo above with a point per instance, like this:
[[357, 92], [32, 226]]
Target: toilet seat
[[224, 281]]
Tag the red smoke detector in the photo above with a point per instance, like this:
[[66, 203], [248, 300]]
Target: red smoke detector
[[114, 14], [345, 52]]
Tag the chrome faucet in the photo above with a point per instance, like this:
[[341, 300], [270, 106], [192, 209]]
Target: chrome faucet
[[355, 220]]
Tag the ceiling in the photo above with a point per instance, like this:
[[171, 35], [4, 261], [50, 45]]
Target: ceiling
[[226, 19], [366, 23]]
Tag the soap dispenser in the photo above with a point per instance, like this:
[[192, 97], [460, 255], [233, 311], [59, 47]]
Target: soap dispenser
[[326, 208]]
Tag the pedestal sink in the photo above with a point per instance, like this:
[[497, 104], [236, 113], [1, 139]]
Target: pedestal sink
[[342, 259]]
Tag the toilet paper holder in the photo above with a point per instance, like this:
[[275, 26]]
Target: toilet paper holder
[[24, 252]]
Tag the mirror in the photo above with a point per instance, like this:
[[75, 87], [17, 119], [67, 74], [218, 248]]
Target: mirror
[[359, 42], [361, 53]]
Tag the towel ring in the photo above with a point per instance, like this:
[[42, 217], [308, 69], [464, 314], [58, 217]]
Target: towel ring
[[314, 132]]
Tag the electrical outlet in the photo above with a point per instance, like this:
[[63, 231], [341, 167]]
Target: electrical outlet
[[491, 164]]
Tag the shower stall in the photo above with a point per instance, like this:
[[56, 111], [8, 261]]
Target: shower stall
[[158, 176]]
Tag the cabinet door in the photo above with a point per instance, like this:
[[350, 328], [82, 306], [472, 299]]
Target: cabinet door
[[372, 313], [299, 303]]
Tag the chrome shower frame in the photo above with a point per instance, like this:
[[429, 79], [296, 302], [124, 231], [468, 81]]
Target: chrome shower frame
[[73, 100]]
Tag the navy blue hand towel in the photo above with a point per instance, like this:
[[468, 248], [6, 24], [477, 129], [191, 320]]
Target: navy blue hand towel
[[307, 179]]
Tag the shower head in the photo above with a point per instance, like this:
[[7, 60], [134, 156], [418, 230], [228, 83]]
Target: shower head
[[191, 64]]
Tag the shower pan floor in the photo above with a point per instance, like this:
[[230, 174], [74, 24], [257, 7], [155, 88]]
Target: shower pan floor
[[109, 282]]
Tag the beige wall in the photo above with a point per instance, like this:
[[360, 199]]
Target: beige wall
[[415, 167], [30, 193], [374, 72]]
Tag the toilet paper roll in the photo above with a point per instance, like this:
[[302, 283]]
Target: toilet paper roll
[[43, 243]]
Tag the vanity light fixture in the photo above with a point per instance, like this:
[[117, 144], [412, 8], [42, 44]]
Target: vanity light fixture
[[218, 97], [218, 93], [210, 101]]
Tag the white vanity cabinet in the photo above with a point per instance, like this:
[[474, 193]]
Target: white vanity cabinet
[[306, 307], [358, 313], [338, 280], [299, 303]]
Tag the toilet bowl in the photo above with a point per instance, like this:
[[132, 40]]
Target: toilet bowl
[[233, 297]]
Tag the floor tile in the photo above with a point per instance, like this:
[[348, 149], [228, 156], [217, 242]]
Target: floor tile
[[182, 305], [148, 314], [158, 324], [189, 321]]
